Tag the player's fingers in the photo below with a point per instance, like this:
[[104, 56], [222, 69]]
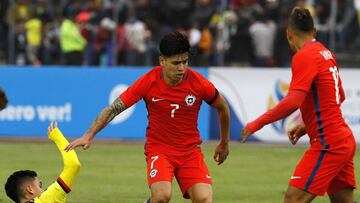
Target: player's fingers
[[244, 138], [216, 155], [68, 148], [71, 146], [221, 159], [86, 146], [291, 138], [296, 140]]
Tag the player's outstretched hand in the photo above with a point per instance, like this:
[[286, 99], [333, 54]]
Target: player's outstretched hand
[[244, 135], [51, 127], [82, 141], [296, 133], [221, 152]]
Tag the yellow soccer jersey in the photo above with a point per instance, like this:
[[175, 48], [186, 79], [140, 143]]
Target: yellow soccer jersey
[[54, 194]]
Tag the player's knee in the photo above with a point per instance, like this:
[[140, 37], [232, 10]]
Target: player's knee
[[293, 197], [203, 199], [160, 198]]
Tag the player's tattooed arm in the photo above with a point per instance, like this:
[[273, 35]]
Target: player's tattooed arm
[[116, 108], [106, 116]]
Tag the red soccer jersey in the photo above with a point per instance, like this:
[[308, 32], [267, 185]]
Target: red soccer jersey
[[172, 110], [315, 71]]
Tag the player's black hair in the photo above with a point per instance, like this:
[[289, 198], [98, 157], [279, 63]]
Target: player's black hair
[[13, 185], [174, 43], [301, 20], [3, 99]]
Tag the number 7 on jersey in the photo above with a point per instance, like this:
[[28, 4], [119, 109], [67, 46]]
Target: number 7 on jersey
[[176, 107]]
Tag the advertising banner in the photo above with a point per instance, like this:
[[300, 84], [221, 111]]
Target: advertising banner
[[252, 91]]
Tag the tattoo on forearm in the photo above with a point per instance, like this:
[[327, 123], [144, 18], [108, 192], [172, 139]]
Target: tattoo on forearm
[[117, 106], [107, 115]]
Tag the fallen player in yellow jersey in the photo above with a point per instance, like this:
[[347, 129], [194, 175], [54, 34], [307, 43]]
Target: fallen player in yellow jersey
[[25, 187]]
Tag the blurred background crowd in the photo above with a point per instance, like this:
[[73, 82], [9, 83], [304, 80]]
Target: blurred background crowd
[[103, 33]]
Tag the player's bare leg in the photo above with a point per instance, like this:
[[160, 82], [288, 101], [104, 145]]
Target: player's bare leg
[[201, 193], [160, 192], [345, 195], [295, 195]]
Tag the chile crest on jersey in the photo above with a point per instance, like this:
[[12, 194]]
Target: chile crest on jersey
[[190, 100]]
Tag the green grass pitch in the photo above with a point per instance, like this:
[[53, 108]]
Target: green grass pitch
[[115, 173]]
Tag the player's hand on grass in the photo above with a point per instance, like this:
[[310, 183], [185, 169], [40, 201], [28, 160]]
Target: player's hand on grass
[[296, 133], [221, 152], [245, 133], [82, 141]]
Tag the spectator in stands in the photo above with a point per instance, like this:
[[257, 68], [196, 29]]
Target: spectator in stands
[[4, 29], [23, 10], [43, 10], [194, 35], [51, 44], [20, 44], [103, 42], [203, 12], [347, 25], [71, 41], [282, 52], [145, 11], [34, 40], [174, 15], [322, 20], [87, 29], [225, 25], [228, 23], [262, 32], [136, 37]]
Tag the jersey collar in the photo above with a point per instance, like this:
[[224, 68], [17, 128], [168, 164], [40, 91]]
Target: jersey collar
[[310, 41]]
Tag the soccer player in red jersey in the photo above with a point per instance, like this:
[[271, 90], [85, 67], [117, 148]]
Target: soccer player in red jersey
[[315, 88], [173, 94]]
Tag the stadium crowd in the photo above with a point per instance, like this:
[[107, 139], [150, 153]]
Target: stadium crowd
[[126, 32]]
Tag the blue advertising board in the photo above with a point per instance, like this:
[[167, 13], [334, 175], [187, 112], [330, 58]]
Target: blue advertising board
[[73, 97]]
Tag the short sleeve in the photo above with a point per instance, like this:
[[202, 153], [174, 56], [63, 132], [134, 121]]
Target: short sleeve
[[303, 73], [209, 92], [135, 92]]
